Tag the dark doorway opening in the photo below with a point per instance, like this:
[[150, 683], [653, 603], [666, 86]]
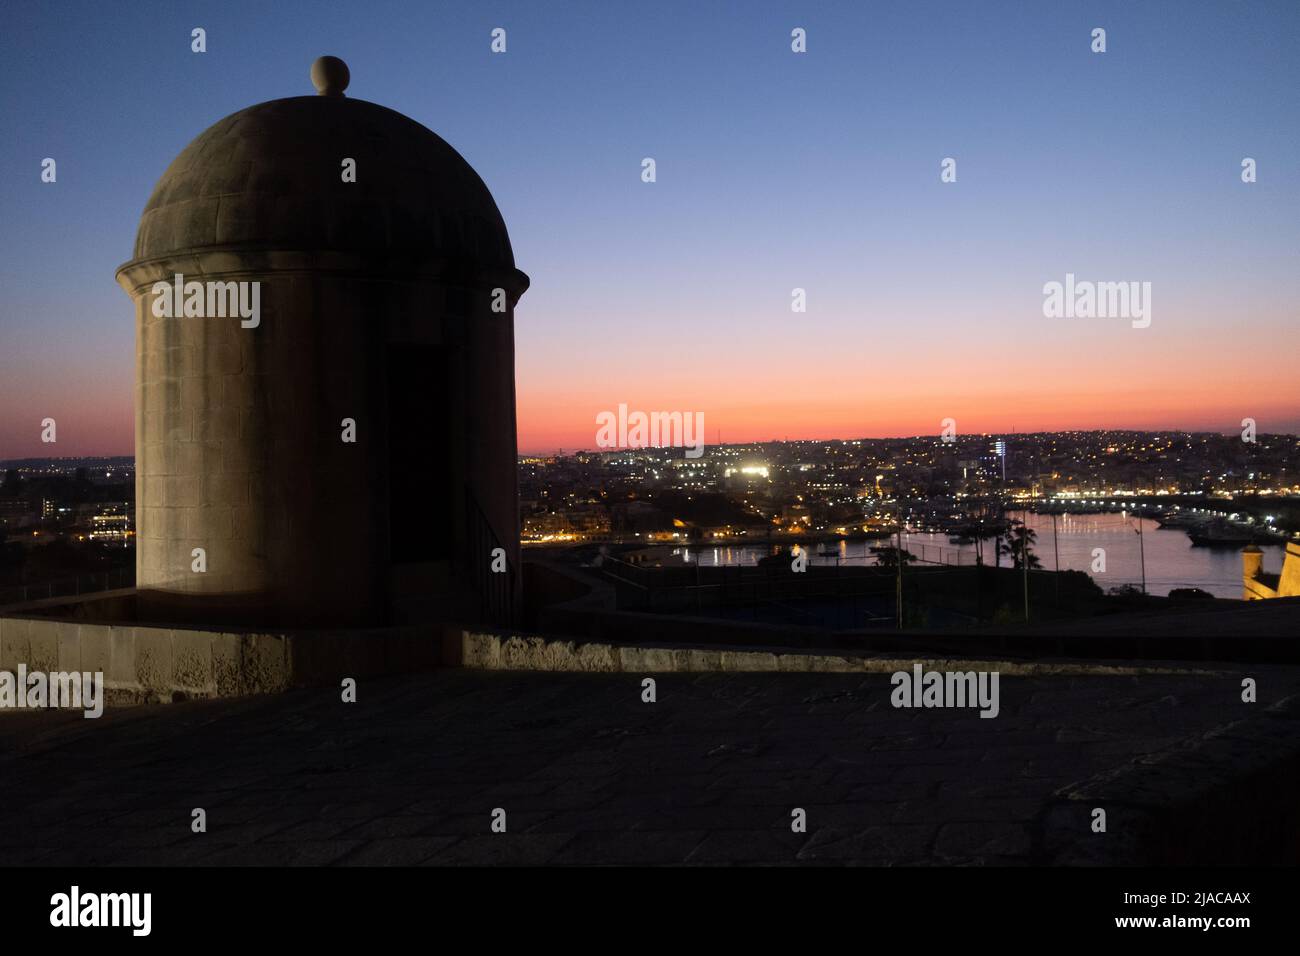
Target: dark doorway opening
[[420, 500]]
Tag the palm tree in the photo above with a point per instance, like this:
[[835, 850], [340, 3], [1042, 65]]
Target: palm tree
[[1020, 540], [887, 557]]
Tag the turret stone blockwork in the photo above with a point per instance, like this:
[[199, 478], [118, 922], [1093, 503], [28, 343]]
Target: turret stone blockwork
[[325, 409]]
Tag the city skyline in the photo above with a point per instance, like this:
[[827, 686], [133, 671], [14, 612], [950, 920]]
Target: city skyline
[[775, 171], [56, 452]]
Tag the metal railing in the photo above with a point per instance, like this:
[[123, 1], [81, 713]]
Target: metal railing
[[68, 587], [690, 585], [496, 589], [938, 554]]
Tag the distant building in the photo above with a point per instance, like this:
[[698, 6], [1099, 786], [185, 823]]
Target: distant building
[[1258, 584], [14, 508], [110, 526]]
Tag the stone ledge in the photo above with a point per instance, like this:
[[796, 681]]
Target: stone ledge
[[489, 651], [165, 664]]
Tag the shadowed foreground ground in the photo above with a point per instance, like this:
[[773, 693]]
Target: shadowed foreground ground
[[587, 773]]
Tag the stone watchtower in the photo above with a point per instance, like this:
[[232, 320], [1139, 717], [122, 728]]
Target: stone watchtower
[[325, 406], [1252, 563]]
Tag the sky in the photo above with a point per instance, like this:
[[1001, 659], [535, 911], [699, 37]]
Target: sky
[[775, 170]]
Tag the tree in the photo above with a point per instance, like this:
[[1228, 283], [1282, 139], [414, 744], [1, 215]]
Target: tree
[[887, 557], [1020, 540], [978, 534]]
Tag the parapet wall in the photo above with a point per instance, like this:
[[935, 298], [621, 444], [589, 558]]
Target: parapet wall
[[158, 663], [515, 652]]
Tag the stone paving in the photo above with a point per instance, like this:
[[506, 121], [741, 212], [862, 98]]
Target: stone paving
[[588, 773]]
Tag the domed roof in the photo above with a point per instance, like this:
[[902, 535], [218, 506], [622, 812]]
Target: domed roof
[[270, 177]]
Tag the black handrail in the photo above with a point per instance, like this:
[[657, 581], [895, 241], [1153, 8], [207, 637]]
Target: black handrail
[[496, 589]]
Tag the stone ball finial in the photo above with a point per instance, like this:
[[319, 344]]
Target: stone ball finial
[[330, 76]]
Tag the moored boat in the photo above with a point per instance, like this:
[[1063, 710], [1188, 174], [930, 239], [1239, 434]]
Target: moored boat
[[1221, 533]]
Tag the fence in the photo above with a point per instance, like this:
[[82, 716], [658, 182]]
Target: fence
[[68, 587], [938, 554], [683, 588]]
